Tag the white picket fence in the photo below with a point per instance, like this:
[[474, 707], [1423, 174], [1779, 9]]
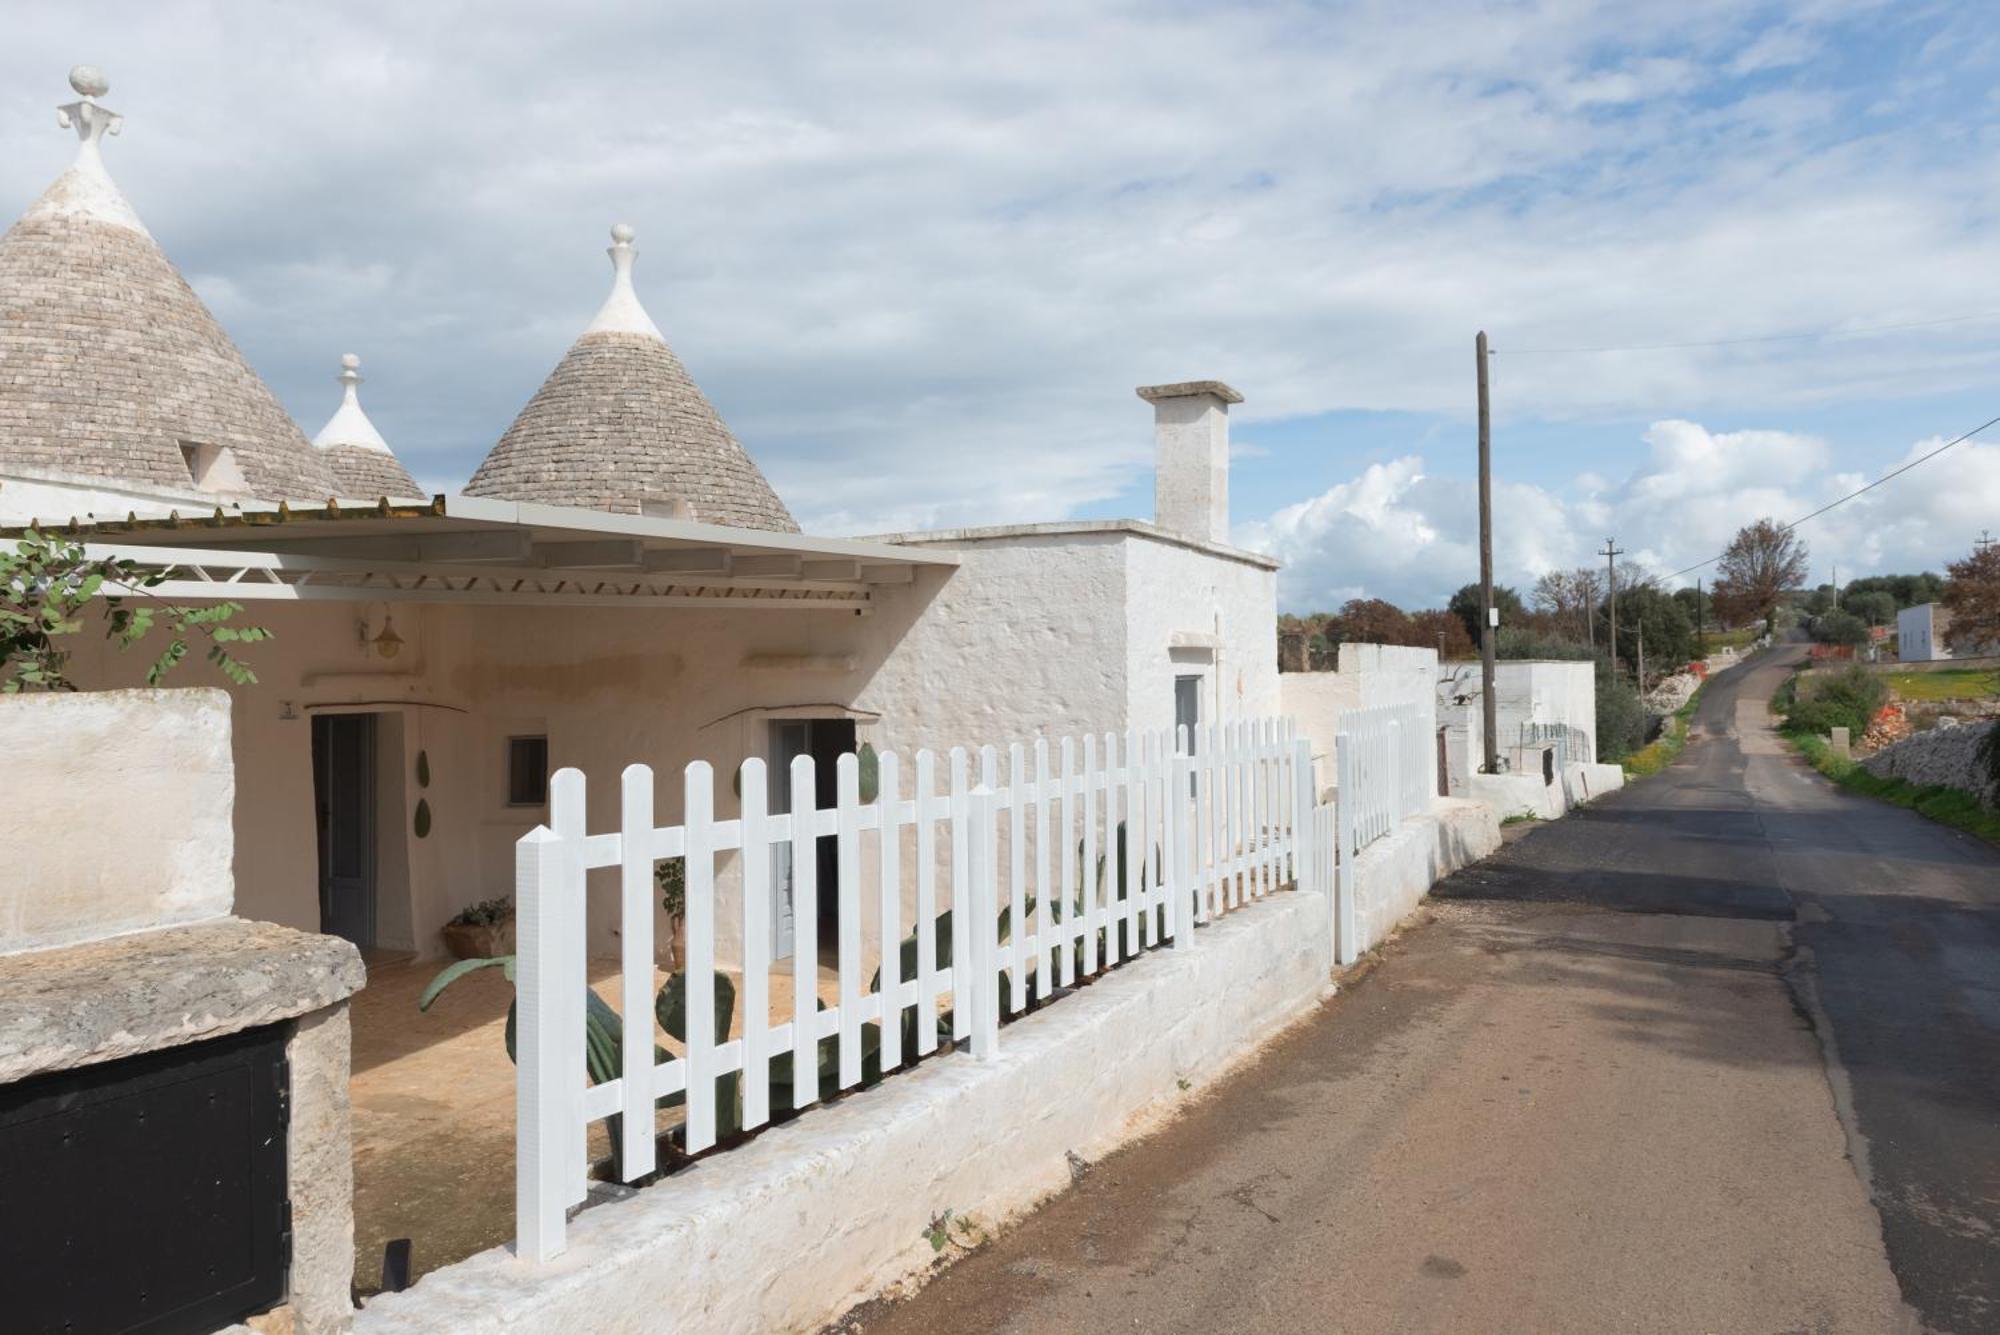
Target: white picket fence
[[1392, 770], [1206, 831]]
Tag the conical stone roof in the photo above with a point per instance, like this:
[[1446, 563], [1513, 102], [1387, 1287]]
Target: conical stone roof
[[361, 462], [109, 362], [619, 425]]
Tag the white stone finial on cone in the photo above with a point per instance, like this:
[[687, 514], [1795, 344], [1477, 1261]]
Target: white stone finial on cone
[[349, 425], [86, 191], [621, 312], [90, 121]]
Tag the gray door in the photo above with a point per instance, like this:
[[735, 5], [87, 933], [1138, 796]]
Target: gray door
[[344, 800]]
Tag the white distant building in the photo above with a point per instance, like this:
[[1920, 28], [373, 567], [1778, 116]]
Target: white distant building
[[1920, 633], [618, 583]]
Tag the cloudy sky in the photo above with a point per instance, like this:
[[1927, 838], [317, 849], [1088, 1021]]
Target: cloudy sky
[[919, 254]]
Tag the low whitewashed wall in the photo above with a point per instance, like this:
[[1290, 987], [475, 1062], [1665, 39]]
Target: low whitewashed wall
[[1393, 874], [1524, 794], [118, 816], [1369, 675], [814, 1216]]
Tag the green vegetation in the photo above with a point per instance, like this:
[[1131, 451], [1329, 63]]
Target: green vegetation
[[1817, 703], [1740, 638], [1661, 751], [1948, 806], [1950, 684], [47, 582]]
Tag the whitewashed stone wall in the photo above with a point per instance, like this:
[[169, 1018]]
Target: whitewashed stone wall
[[1062, 632], [117, 815], [1368, 675]]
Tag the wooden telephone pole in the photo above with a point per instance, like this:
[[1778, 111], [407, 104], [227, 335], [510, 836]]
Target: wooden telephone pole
[[1700, 629], [1488, 615], [1612, 551]]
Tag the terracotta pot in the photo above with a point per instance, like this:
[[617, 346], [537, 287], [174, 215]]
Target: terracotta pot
[[478, 941], [677, 945]]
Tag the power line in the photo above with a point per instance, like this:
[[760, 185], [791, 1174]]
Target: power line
[[1755, 338], [1892, 473]]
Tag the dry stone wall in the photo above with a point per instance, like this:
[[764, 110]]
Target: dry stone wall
[[1946, 755]]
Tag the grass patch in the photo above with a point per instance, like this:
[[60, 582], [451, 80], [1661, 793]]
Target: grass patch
[[1521, 818], [1659, 753], [1947, 806], [1950, 684], [1740, 638]]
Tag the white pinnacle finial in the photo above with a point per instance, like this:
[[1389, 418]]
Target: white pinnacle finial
[[86, 190], [349, 425], [621, 312], [90, 121]]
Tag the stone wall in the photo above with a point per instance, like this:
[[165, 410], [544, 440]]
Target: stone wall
[[1944, 755]]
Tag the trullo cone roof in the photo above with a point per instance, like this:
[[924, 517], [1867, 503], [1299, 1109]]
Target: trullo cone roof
[[109, 363], [619, 425], [361, 461]]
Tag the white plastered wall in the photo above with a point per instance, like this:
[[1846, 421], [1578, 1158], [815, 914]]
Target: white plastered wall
[[117, 816], [1369, 675], [1033, 635]]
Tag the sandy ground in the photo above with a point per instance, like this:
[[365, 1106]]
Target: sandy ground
[[433, 1100]]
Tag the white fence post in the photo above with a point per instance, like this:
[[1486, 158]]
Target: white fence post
[[979, 992], [570, 974], [1345, 943], [635, 1078], [548, 1053], [1303, 865], [699, 805]]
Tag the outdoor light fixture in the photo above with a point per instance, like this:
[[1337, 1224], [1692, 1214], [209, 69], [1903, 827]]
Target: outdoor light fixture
[[388, 643]]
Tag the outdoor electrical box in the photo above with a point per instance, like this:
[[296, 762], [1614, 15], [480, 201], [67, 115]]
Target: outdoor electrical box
[[147, 1196]]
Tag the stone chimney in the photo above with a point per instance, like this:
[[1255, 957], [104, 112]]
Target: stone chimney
[[1191, 463]]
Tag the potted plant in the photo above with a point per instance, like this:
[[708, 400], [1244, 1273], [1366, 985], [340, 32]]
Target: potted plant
[[482, 930], [670, 875]]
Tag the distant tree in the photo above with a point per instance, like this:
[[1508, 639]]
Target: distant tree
[[1762, 562], [1435, 627], [1840, 626], [1569, 598], [1876, 607], [1818, 602], [1466, 606], [1907, 590], [1972, 596], [1698, 605], [1668, 631], [1373, 621]]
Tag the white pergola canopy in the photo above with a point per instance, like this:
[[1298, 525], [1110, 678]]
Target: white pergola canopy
[[467, 549]]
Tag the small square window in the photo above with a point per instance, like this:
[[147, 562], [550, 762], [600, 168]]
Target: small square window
[[527, 771]]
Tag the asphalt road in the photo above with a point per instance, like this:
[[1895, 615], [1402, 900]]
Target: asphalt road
[[1719, 1053]]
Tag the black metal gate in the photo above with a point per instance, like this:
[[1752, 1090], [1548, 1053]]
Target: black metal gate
[[147, 1195]]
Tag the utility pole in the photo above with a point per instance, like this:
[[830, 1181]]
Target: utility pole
[[1700, 630], [1642, 658], [1488, 614], [1612, 551]]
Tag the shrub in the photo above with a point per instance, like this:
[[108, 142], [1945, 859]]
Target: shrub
[[1820, 702], [1621, 718]]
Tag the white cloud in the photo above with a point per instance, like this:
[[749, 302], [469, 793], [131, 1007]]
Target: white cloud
[[919, 254], [1395, 532]]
